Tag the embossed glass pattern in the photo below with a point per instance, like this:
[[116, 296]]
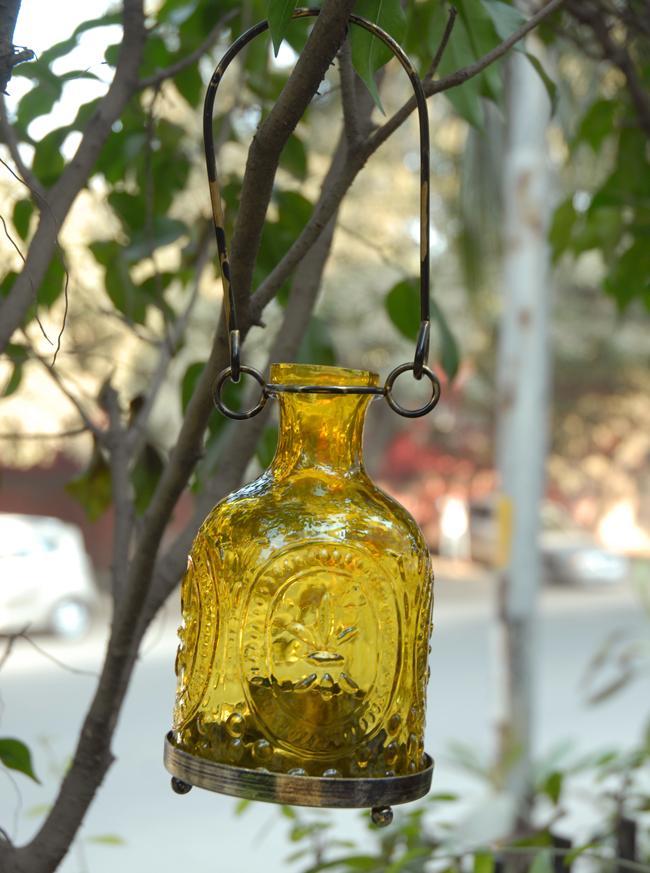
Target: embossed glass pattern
[[307, 607]]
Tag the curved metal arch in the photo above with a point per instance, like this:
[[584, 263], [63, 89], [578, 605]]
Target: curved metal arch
[[422, 343]]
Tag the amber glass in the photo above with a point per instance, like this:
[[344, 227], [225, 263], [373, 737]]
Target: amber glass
[[307, 607]]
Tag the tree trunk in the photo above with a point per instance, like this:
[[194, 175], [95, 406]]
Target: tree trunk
[[523, 406]]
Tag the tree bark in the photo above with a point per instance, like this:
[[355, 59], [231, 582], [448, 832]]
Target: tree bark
[[9, 57], [522, 409]]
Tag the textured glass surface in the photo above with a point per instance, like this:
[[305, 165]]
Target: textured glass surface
[[307, 607]]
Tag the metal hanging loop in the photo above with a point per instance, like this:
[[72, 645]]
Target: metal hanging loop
[[418, 366]]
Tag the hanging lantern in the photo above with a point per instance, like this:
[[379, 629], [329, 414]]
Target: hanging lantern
[[302, 664]]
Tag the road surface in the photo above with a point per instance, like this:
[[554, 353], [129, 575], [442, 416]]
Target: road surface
[[156, 830]]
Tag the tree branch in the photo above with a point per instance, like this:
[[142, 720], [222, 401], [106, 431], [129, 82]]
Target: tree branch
[[64, 192], [74, 400], [10, 140], [120, 457], [169, 346], [348, 78], [264, 154], [9, 57], [617, 54], [172, 70], [437, 86], [435, 63], [330, 199], [243, 437]]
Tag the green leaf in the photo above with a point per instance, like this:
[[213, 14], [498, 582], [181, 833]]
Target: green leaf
[[549, 84], [242, 806], [102, 21], [126, 296], [279, 14], [483, 37], [107, 840], [562, 224], [53, 282], [189, 382], [506, 19], [48, 163], [15, 755], [13, 382], [189, 85], [369, 54], [163, 232], [542, 863], [597, 123], [483, 862], [294, 211], [465, 98], [449, 352], [7, 283], [39, 101], [404, 863], [38, 810], [294, 158], [130, 209], [93, 487], [552, 786], [23, 211], [265, 452], [288, 812], [17, 353], [629, 279], [403, 307]]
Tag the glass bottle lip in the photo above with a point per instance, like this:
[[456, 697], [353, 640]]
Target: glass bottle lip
[[320, 374]]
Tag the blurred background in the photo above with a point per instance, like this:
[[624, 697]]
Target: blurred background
[[590, 684]]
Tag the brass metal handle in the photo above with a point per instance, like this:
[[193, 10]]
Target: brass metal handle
[[422, 343]]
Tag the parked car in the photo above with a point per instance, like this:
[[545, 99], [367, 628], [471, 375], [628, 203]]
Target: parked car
[[569, 554], [46, 577]]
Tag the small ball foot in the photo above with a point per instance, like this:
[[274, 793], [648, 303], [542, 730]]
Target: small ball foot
[[180, 787], [381, 816]]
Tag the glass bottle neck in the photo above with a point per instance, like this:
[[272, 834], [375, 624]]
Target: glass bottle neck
[[321, 432]]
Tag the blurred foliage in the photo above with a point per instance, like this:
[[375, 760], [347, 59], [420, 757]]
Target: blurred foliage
[[15, 755], [436, 834], [145, 174]]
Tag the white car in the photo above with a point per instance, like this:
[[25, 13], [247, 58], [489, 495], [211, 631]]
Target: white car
[[46, 577]]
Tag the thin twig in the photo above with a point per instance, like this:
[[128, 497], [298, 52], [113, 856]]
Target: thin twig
[[11, 141], [22, 258], [172, 70], [16, 435], [78, 671], [66, 306], [330, 199], [122, 491], [349, 95], [437, 86], [617, 54], [39, 195], [169, 345], [85, 417], [435, 63]]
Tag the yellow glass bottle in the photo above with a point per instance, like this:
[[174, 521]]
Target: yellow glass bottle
[[307, 607]]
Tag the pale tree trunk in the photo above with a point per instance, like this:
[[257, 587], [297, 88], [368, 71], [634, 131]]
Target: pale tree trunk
[[523, 410]]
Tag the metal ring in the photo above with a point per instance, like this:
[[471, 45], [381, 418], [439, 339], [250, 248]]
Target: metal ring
[[401, 410], [230, 413]]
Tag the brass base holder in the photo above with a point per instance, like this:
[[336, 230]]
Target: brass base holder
[[378, 793]]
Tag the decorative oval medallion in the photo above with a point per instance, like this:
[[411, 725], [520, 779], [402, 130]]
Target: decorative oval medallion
[[320, 648]]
